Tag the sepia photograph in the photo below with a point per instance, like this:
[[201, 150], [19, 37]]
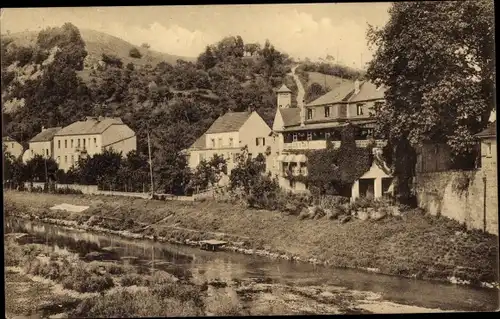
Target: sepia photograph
[[249, 159]]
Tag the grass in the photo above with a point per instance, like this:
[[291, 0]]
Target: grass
[[413, 245]]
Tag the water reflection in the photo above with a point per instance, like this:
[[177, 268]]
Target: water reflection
[[203, 266]]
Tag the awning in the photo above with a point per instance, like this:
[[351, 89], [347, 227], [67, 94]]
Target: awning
[[281, 158], [288, 158]]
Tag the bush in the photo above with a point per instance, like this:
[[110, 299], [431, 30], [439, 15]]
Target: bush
[[83, 281], [135, 53], [132, 280]]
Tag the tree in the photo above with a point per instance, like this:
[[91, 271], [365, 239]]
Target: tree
[[38, 168], [436, 60], [135, 53], [208, 173], [207, 59]]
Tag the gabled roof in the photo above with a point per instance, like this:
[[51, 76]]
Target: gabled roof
[[284, 89], [199, 143], [229, 122], [490, 131], [336, 95], [290, 116], [46, 135], [90, 126], [368, 91]]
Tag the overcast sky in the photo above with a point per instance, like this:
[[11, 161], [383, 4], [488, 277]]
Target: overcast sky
[[301, 30]]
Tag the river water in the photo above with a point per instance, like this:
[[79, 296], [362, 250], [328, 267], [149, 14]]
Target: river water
[[198, 265]]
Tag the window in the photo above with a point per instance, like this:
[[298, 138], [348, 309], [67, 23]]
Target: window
[[488, 149], [327, 111], [213, 143], [58, 143], [230, 142], [72, 159], [294, 137], [83, 143], [263, 141], [257, 141], [58, 159], [309, 114], [220, 142], [72, 143], [327, 135], [47, 151], [78, 145], [201, 157], [65, 158], [260, 141], [309, 136], [235, 157], [12, 145], [95, 141], [65, 143], [31, 152], [359, 109], [77, 157]]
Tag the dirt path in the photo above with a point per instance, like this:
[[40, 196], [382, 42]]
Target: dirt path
[[301, 92]]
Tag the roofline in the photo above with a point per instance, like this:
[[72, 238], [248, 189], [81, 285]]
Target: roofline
[[107, 127], [479, 135], [123, 139]]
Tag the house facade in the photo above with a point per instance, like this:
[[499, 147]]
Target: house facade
[[229, 134], [90, 137], [12, 146], [488, 140], [42, 144], [309, 126]]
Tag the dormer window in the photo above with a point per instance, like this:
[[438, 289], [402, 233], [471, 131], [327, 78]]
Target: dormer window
[[327, 111], [359, 108]]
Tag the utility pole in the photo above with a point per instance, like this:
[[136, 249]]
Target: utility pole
[[46, 173], [150, 165]]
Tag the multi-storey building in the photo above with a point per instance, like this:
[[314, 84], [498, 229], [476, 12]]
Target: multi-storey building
[[229, 134], [309, 126], [42, 144], [90, 137], [12, 146]]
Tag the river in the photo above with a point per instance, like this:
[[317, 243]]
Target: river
[[376, 293]]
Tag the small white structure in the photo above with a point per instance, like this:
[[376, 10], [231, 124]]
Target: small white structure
[[376, 182]]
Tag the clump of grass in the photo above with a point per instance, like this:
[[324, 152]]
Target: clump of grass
[[126, 304], [133, 280], [83, 281]]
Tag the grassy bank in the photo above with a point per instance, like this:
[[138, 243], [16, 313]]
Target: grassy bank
[[412, 245]]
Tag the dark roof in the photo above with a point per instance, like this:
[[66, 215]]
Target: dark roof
[[229, 122], [490, 131], [368, 91], [91, 126], [284, 89], [46, 135], [336, 95], [199, 143], [290, 116]]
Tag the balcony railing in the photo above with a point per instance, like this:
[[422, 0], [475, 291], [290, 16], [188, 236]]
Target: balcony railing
[[321, 144]]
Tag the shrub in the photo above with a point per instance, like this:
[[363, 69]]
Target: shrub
[[135, 53], [83, 281], [132, 280]]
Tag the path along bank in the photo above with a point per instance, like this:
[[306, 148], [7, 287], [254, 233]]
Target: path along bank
[[413, 245]]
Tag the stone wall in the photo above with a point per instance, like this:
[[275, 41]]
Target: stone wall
[[469, 197]]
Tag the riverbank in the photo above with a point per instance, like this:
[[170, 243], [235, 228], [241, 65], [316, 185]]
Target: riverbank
[[413, 245]]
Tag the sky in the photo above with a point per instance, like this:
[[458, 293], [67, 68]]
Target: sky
[[301, 30]]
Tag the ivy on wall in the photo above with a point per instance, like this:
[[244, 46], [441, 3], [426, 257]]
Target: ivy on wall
[[333, 171]]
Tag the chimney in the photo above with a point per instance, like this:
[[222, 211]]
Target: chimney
[[356, 86], [43, 128]]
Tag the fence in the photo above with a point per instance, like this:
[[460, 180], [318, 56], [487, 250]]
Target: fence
[[469, 197]]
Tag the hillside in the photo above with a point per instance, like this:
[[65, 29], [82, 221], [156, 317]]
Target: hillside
[[331, 81], [97, 43]]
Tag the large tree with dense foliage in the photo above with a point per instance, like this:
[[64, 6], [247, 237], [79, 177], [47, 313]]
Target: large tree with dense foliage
[[436, 59]]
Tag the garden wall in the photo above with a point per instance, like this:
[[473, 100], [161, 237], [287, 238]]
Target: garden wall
[[469, 197]]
